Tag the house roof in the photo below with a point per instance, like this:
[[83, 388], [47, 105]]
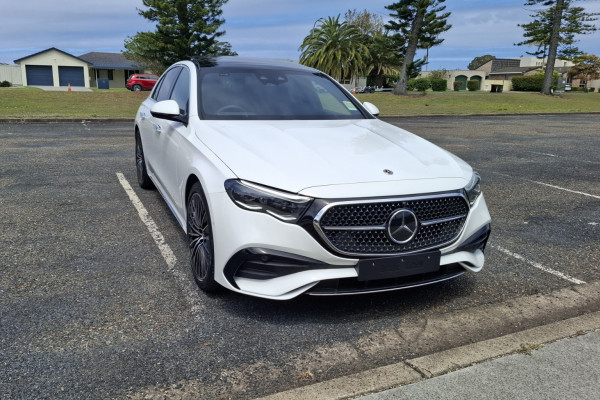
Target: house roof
[[50, 49], [109, 60]]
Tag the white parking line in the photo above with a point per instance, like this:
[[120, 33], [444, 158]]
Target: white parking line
[[565, 189], [549, 185], [181, 279], [539, 266]]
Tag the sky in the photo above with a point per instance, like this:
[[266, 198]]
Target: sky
[[264, 28]]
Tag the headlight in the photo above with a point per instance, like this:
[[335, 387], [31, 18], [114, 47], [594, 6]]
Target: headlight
[[473, 190], [287, 207]]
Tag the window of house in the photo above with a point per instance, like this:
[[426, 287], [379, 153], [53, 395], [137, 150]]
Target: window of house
[[582, 83]]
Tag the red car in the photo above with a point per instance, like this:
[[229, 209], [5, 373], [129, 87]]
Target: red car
[[139, 82]]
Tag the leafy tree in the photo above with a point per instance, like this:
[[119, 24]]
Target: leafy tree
[[184, 29], [384, 61], [336, 48], [439, 74], [369, 24], [418, 24], [479, 61], [554, 27], [143, 50], [587, 67]]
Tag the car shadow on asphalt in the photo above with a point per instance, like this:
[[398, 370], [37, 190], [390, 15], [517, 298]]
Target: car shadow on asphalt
[[413, 302]]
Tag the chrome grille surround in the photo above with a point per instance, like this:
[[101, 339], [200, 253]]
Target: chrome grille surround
[[359, 227]]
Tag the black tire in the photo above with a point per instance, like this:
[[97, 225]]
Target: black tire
[[140, 164], [136, 88], [200, 240]]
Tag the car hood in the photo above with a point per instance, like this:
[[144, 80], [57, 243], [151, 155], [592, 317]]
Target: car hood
[[313, 157]]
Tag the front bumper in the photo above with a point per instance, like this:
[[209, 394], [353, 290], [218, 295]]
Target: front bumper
[[256, 254]]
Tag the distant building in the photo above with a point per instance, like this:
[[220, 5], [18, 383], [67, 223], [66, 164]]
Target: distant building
[[114, 67], [496, 75], [54, 67]]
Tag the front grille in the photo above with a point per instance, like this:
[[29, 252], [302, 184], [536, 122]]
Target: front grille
[[360, 228]]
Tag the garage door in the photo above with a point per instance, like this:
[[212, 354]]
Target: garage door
[[39, 75], [72, 75]]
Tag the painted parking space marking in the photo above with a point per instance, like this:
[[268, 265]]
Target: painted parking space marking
[[563, 157], [565, 189], [549, 185], [165, 250], [538, 265]]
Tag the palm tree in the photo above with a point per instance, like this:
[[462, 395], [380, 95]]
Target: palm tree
[[336, 48]]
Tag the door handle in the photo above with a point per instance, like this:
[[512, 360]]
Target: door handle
[[157, 128]]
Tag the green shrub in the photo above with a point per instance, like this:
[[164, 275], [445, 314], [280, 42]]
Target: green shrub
[[457, 85], [410, 85], [422, 84], [591, 89], [577, 89], [473, 85], [439, 85], [5, 84], [533, 83]]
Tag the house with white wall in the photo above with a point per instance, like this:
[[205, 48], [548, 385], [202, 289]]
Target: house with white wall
[[54, 67]]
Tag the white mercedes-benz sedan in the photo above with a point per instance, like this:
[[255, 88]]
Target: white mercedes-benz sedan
[[286, 184]]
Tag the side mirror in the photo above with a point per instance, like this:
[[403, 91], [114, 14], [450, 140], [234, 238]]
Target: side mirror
[[168, 109], [371, 108]]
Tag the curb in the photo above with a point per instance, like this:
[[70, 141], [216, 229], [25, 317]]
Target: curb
[[516, 325], [418, 369], [487, 115], [384, 117], [63, 120]]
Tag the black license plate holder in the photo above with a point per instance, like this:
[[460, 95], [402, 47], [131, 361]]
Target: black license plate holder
[[398, 266]]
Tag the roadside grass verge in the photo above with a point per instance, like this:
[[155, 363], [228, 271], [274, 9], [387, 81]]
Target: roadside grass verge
[[116, 103], [452, 103], [36, 103]]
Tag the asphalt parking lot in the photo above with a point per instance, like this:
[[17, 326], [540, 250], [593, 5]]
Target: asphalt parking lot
[[96, 300]]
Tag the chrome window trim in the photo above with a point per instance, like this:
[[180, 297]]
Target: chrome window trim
[[321, 231]]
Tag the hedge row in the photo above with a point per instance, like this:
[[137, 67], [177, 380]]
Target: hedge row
[[422, 84]]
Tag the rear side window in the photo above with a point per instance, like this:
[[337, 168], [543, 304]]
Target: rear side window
[[164, 87], [181, 91]]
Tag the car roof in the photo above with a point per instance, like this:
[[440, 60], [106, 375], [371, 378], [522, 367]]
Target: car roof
[[248, 62]]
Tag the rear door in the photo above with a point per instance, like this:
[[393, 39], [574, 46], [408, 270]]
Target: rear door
[[154, 129]]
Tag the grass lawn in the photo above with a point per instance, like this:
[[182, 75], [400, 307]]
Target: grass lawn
[[121, 103], [482, 103], [36, 103]]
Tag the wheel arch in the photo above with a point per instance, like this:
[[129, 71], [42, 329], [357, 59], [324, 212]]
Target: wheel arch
[[188, 185]]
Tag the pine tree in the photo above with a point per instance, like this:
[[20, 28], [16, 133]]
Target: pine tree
[[553, 31], [184, 29], [418, 24]]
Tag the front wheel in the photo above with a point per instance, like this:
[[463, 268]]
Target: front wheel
[[137, 88], [140, 164], [200, 240]]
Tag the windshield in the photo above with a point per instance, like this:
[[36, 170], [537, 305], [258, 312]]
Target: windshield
[[236, 94]]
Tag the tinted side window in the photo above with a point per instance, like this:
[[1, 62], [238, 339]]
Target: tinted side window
[[181, 91], [166, 84]]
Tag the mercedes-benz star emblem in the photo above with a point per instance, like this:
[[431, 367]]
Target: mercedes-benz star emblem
[[402, 226]]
